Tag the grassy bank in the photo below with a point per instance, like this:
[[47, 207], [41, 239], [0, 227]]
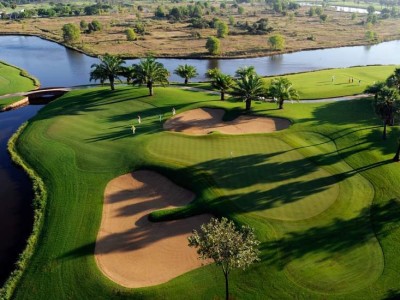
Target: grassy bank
[[321, 195], [14, 80]]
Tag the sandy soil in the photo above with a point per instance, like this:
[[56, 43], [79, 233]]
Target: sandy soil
[[135, 252], [205, 120]]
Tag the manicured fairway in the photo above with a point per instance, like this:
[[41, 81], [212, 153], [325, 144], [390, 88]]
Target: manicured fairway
[[321, 195], [11, 81], [337, 82]]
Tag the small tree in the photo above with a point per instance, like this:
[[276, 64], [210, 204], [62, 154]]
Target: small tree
[[130, 34], [213, 45], [249, 87], [323, 17], [71, 33], [187, 72], [227, 246], [277, 42], [95, 26], [222, 29], [222, 82], [387, 107], [281, 89], [83, 25], [149, 71]]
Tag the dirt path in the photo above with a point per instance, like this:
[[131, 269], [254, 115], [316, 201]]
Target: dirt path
[[135, 252], [205, 120]]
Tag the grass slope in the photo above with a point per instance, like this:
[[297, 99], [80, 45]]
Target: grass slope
[[13, 80], [322, 195]]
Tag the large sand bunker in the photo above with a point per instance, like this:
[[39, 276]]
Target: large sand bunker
[[205, 120], [135, 252]]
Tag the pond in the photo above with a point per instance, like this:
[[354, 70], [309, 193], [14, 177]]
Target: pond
[[56, 65]]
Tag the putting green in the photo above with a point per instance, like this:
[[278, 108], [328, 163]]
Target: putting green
[[261, 174]]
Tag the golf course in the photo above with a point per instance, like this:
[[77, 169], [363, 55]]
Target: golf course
[[315, 181]]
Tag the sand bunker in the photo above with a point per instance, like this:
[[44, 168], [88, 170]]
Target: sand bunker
[[205, 120], [135, 252]]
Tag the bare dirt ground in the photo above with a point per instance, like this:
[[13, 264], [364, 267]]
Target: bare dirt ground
[[205, 120], [135, 252]]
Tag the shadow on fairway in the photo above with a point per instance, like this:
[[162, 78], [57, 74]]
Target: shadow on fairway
[[338, 237]]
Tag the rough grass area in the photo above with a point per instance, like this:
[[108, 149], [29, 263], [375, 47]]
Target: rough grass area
[[321, 195], [13, 80], [164, 38]]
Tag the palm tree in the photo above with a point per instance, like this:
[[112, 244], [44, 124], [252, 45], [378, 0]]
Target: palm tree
[[375, 88], [282, 89], [249, 87], [387, 107], [127, 72], [98, 74], [149, 72], [394, 79], [187, 72], [245, 71], [222, 82], [109, 67]]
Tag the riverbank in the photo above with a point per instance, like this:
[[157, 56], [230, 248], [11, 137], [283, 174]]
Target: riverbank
[[164, 39]]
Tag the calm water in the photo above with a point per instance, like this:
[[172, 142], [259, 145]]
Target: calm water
[[55, 65], [16, 195]]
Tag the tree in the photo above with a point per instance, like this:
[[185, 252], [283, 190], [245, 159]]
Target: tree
[[248, 88], [187, 72], [370, 9], [282, 89], [110, 67], [375, 88], [387, 106], [149, 72], [222, 29], [213, 45], [227, 246], [83, 25], [71, 33], [394, 79], [130, 34], [95, 25], [245, 71], [220, 81], [277, 42], [128, 73]]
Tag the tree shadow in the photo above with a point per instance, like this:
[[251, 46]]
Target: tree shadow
[[341, 235]]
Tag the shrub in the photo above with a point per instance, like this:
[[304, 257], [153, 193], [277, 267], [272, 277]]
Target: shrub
[[130, 34], [213, 45], [277, 42]]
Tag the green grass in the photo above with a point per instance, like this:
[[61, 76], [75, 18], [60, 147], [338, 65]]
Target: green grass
[[318, 84], [13, 80], [321, 195]]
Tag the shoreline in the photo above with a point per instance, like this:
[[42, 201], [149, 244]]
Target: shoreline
[[200, 57]]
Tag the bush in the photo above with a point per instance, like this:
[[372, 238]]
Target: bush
[[277, 42], [71, 33], [222, 30], [130, 34], [213, 45]]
